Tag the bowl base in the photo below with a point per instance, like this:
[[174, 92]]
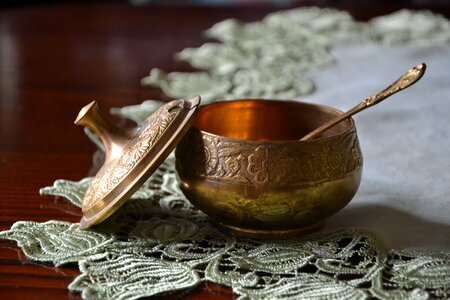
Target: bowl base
[[268, 234]]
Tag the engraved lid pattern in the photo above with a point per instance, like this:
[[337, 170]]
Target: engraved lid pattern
[[111, 175]]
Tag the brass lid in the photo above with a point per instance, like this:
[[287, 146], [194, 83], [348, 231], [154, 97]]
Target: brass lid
[[131, 155]]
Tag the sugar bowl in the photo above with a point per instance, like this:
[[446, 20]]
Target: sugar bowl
[[242, 164]]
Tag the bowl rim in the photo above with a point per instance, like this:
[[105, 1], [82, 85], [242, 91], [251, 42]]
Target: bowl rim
[[350, 129]]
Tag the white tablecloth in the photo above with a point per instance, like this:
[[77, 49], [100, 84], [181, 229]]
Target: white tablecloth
[[405, 190]]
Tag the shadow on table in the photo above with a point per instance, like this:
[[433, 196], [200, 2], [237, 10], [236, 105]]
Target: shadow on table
[[398, 229]]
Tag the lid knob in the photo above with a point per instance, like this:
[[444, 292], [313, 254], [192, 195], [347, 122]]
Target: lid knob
[[114, 138]]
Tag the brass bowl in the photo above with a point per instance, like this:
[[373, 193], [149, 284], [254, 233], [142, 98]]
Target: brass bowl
[[242, 164]]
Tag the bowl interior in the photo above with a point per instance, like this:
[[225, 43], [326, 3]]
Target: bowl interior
[[267, 120]]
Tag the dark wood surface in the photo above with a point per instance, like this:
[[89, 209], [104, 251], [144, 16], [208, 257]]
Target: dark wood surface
[[55, 59]]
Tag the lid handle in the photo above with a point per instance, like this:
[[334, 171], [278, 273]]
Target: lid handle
[[113, 138]]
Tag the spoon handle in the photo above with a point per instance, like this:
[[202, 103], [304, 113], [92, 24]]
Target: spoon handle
[[408, 79]]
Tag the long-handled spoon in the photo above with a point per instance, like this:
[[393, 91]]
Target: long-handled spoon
[[408, 79]]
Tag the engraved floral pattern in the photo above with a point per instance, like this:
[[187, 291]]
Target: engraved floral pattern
[[252, 163], [112, 174]]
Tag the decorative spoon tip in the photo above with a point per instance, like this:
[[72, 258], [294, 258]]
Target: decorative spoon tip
[[420, 68]]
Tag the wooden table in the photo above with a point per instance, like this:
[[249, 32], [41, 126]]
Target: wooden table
[[55, 59]]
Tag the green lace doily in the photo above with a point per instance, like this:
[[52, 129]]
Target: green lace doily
[[158, 243], [270, 58]]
